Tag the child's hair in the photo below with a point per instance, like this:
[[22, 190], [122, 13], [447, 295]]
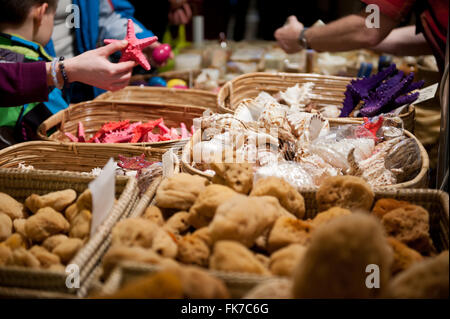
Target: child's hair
[[15, 11]]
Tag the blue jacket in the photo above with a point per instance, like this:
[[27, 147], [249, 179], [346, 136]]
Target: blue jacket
[[102, 19]]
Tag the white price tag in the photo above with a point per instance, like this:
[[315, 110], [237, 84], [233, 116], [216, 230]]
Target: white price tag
[[168, 164], [103, 190], [427, 93]]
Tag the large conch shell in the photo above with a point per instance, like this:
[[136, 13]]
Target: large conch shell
[[307, 126], [297, 97], [243, 114], [274, 120]]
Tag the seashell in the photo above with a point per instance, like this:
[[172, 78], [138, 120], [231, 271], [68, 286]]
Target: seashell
[[209, 152], [247, 154], [221, 122], [274, 121], [258, 105], [265, 98], [316, 166], [297, 97], [261, 139], [330, 111], [307, 126], [268, 157], [243, 113], [373, 168]]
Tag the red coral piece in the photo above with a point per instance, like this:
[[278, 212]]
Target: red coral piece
[[133, 52], [81, 133], [142, 130], [134, 163], [184, 131], [373, 127], [164, 129], [117, 137], [71, 137]]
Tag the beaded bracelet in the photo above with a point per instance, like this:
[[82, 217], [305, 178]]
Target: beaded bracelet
[[63, 72], [54, 75]]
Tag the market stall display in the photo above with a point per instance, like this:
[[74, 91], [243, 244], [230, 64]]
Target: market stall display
[[92, 115], [203, 225], [324, 94], [50, 216], [234, 170]]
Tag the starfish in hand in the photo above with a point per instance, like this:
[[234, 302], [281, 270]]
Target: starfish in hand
[[133, 52]]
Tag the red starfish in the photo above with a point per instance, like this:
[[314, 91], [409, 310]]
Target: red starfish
[[133, 52], [373, 127]]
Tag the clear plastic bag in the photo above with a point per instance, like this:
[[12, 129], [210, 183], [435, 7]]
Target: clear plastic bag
[[334, 148], [404, 160], [292, 172]]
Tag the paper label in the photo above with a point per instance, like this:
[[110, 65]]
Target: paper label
[[427, 93], [168, 164], [103, 190]]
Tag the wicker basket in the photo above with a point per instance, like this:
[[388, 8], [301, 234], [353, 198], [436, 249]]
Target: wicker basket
[[19, 293], [82, 157], [163, 96], [21, 184], [420, 181], [136, 211], [94, 114], [329, 90], [436, 202]]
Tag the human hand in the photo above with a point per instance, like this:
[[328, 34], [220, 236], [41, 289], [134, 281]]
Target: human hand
[[149, 54], [288, 35], [94, 68], [180, 12]]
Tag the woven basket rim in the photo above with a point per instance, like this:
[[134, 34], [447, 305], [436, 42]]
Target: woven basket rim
[[106, 96], [419, 179], [60, 117]]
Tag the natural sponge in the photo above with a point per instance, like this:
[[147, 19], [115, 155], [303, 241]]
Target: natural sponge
[[426, 279], [346, 192], [287, 195], [206, 204], [45, 223], [334, 266], [238, 176], [11, 207], [411, 226], [244, 219], [231, 256], [180, 191], [56, 200]]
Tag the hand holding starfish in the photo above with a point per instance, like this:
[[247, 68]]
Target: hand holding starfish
[[133, 52]]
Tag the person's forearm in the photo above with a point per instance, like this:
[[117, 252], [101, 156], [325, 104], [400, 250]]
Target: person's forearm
[[50, 82], [348, 33], [22, 83], [404, 41]]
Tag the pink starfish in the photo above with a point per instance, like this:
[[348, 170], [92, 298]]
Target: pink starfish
[[133, 52]]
